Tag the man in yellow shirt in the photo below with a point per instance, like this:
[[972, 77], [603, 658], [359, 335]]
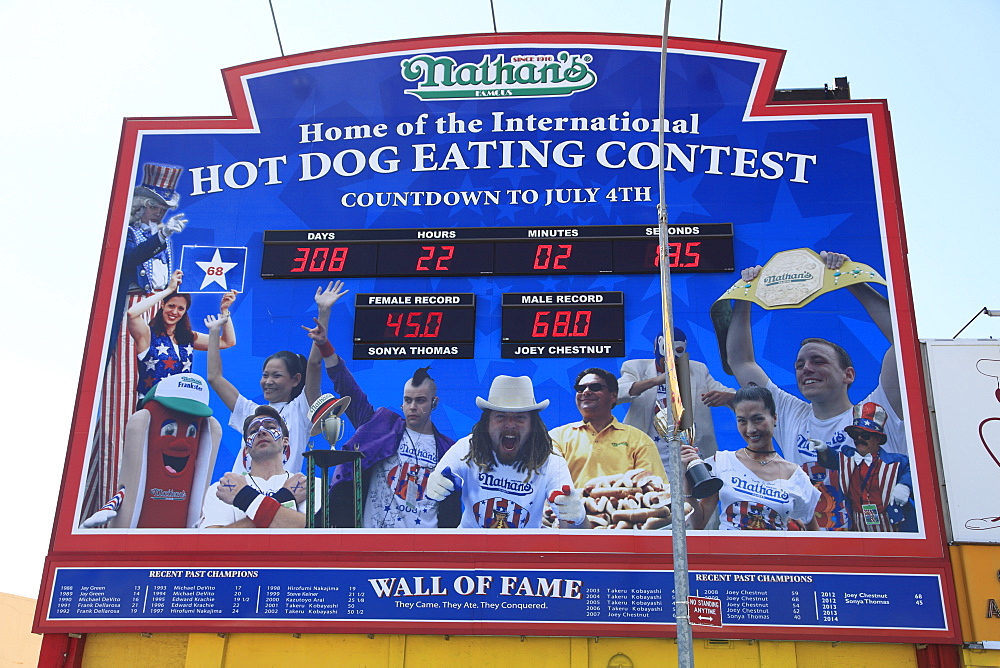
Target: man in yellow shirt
[[599, 444]]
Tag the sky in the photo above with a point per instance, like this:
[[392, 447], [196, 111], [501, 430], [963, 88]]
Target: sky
[[74, 70]]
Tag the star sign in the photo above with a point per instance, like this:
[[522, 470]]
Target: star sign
[[296, 487], [228, 485], [215, 271], [162, 349]]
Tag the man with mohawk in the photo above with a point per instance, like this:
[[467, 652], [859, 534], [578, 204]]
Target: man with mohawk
[[507, 468], [400, 451]]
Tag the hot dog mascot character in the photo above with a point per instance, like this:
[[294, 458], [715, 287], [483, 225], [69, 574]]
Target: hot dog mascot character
[[170, 448]]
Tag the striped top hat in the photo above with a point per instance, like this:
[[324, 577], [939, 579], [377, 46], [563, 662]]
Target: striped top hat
[[869, 417], [158, 182]]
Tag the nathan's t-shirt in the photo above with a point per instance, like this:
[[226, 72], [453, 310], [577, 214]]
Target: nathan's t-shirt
[[504, 498], [749, 503], [397, 485]]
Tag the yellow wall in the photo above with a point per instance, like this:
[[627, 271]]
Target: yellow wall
[[977, 583], [166, 650], [18, 646]]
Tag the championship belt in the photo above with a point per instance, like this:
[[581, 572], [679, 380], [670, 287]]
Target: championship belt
[[790, 279]]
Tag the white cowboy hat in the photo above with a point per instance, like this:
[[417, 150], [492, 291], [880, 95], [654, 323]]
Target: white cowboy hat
[[511, 395]]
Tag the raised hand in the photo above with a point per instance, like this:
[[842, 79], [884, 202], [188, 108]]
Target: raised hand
[[176, 279], [317, 333], [227, 301], [325, 298], [174, 224], [215, 322], [833, 260]]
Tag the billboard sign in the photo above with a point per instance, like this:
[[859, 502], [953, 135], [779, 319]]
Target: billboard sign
[[485, 206], [964, 377]]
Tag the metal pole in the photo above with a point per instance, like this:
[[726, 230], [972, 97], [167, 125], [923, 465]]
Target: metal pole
[[358, 523], [325, 497], [311, 494], [685, 649]]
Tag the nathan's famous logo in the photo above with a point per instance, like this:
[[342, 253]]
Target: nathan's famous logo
[[788, 277], [443, 78]]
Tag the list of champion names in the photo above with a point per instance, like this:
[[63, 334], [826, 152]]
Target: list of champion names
[[832, 600]]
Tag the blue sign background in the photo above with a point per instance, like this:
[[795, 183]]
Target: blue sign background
[[789, 599], [836, 210]]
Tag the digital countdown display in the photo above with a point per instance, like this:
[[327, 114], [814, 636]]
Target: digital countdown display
[[415, 326], [562, 324], [514, 251]]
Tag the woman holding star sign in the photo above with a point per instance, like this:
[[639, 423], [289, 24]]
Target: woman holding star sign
[[165, 345]]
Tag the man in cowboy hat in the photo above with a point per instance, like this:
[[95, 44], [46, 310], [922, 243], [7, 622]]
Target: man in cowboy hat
[[599, 444], [265, 496], [876, 483], [507, 468]]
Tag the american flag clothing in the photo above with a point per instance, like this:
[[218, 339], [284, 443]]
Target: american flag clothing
[[798, 425], [163, 358], [118, 402], [868, 488], [153, 273], [747, 502], [500, 513], [503, 498]]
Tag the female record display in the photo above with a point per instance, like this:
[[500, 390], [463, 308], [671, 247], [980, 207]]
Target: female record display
[[761, 491]]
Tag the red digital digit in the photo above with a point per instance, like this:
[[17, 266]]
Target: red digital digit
[[412, 321], [543, 256], [690, 249], [560, 327], [432, 326], [541, 327], [302, 259], [338, 259], [581, 323], [319, 256], [393, 321], [449, 253], [423, 258], [568, 248], [674, 254], [656, 257]]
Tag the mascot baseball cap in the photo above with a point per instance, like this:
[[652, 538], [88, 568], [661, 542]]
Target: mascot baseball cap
[[182, 392]]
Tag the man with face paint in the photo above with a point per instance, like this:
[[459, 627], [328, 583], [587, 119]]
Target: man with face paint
[[642, 386], [265, 496], [400, 451], [507, 468]]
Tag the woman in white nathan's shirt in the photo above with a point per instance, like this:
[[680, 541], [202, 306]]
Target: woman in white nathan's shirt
[[761, 490]]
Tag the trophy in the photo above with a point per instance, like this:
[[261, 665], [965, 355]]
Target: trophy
[[699, 474], [325, 413]]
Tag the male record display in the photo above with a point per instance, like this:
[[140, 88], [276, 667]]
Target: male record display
[[455, 205]]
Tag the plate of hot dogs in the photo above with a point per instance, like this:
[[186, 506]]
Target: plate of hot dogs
[[636, 499]]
